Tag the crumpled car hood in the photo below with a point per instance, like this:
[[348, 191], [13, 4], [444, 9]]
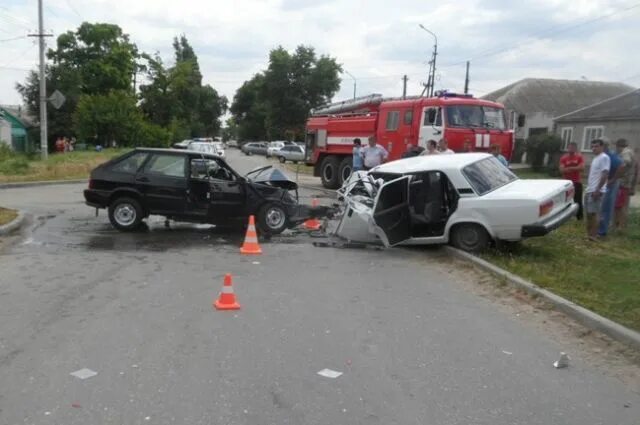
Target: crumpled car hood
[[271, 176]]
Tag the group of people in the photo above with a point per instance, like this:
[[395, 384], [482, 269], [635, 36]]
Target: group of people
[[365, 158], [611, 182], [64, 144]]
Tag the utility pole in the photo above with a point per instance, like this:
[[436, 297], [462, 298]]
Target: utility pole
[[466, 80], [432, 64], [354, 81], [404, 86], [44, 145]]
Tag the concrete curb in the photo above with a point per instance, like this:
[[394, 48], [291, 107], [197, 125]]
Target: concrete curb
[[581, 314], [13, 225], [41, 183]]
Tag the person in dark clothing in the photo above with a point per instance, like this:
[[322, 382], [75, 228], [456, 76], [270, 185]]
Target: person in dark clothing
[[412, 151]]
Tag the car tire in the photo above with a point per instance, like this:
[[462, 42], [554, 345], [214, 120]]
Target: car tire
[[125, 214], [282, 159], [345, 170], [249, 153], [470, 237], [329, 172], [272, 219]]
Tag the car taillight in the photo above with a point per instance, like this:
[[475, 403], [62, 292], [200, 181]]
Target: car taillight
[[546, 207], [91, 184], [569, 194]]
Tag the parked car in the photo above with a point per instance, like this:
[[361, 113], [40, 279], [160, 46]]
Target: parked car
[[468, 200], [293, 153], [183, 144], [258, 148], [273, 148], [185, 185], [232, 144], [219, 149]]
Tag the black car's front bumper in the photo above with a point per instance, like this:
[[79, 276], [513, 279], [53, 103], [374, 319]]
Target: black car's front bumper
[[542, 228]]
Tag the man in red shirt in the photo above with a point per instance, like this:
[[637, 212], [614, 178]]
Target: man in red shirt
[[571, 166]]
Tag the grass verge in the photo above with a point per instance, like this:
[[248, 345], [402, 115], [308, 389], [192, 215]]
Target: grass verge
[[601, 276], [67, 166], [7, 215]]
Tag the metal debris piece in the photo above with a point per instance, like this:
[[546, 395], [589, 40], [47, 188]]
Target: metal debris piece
[[562, 362], [508, 353], [84, 373], [328, 373]]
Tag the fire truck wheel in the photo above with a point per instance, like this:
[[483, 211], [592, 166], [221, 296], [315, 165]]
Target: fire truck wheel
[[329, 172], [345, 169]]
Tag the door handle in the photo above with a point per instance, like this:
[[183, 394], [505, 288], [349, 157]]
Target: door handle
[[142, 179]]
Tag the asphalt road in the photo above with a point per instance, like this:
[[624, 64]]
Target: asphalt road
[[416, 343]]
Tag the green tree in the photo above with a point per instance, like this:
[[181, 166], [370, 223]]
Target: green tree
[[277, 102], [175, 97], [95, 59]]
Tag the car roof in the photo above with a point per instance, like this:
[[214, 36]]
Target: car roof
[[430, 162]]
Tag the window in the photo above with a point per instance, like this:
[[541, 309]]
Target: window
[[591, 133], [535, 131], [475, 116], [487, 175], [166, 165], [567, 136], [408, 117], [131, 164], [432, 117], [393, 120]]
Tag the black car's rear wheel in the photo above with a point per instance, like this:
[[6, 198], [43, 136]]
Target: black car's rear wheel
[[125, 214], [272, 219]]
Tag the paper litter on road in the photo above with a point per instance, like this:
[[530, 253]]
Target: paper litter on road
[[256, 262], [84, 373], [328, 373], [507, 352]]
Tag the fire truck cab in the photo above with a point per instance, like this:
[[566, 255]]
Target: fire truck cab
[[467, 123]]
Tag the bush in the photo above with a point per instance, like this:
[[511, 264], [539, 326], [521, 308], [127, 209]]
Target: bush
[[153, 136], [539, 146]]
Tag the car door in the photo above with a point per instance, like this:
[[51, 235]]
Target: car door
[[228, 197], [297, 153], [391, 213], [163, 183]]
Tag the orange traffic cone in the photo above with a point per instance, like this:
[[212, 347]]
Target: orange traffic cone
[[250, 245], [227, 299], [313, 223]]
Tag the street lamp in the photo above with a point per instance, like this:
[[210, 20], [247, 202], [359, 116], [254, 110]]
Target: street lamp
[[432, 71], [354, 81]]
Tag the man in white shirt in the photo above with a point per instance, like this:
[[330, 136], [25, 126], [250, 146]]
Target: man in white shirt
[[596, 187], [443, 147], [374, 154]]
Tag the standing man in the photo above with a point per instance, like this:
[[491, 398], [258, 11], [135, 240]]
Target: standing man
[[443, 147], [357, 155], [613, 184], [374, 154], [432, 148], [495, 151], [627, 183], [571, 166], [596, 187]]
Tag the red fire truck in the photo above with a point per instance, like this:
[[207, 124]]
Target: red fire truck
[[459, 118]]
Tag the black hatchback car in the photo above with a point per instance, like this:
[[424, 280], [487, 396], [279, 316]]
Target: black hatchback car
[[194, 187]]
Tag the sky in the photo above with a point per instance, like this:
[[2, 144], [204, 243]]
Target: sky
[[376, 41]]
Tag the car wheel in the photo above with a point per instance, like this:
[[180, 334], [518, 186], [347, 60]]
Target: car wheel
[[282, 159], [346, 167], [470, 237], [249, 153], [272, 219], [125, 214], [329, 172]]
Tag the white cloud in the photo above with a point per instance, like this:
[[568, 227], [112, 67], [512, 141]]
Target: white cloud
[[377, 41]]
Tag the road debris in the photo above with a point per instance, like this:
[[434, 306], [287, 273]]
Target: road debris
[[328, 373], [84, 373], [47, 413], [508, 353], [75, 405], [255, 262], [562, 362]]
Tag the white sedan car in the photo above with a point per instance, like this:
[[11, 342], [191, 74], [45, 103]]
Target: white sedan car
[[467, 200]]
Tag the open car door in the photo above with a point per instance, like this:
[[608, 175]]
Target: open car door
[[391, 212]]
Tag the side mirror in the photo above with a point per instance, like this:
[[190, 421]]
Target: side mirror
[[521, 120]]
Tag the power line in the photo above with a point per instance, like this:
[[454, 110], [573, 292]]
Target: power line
[[14, 38], [550, 31], [18, 20], [74, 9]]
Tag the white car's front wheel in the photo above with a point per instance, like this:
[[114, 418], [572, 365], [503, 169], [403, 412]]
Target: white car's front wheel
[[470, 237]]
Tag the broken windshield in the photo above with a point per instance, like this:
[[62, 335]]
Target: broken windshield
[[470, 116]]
